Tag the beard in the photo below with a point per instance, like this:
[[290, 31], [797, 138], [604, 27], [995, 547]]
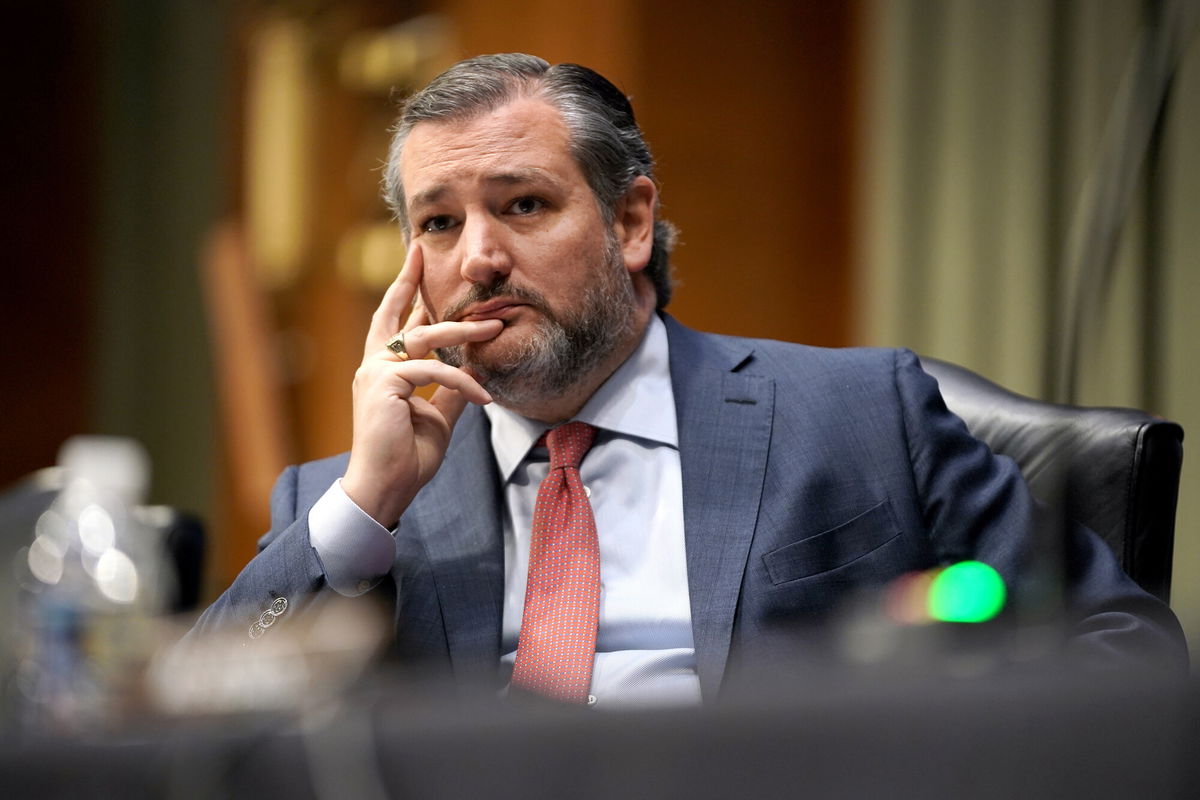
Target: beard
[[563, 347]]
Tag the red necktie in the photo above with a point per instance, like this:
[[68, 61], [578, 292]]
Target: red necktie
[[557, 643]]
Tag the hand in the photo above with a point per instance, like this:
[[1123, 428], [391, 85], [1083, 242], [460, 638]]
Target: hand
[[400, 438]]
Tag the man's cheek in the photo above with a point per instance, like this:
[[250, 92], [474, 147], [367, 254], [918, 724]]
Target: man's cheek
[[429, 298]]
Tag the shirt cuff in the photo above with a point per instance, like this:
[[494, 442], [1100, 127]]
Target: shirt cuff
[[355, 550]]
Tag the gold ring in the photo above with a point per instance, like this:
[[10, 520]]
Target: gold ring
[[396, 345]]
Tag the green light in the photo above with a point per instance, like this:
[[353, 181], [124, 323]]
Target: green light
[[969, 591]]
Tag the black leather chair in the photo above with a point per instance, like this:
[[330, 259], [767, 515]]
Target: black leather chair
[[1116, 470]]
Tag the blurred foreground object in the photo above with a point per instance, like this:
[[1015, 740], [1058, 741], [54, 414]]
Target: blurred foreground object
[[1021, 736], [95, 573], [308, 661]]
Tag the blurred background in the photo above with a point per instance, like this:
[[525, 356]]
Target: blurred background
[[196, 241]]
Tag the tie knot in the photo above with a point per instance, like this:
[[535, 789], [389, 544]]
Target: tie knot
[[569, 443]]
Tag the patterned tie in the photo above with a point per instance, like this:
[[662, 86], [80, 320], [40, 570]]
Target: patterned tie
[[562, 597]]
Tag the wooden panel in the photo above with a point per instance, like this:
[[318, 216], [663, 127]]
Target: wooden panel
[[749, 109], [598, 35]]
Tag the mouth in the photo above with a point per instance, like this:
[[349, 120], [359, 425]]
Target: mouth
[[494, 309]]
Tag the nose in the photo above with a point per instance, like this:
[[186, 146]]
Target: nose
[[485, 255]]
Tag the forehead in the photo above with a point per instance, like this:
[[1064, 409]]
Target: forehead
[[526, 137]]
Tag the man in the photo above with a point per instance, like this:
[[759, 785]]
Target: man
[[734, 488]]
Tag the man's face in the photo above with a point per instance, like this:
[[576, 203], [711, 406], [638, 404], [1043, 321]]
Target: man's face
[[510, 230]]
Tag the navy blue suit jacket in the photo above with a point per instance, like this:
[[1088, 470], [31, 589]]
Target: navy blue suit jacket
[[808, 474]]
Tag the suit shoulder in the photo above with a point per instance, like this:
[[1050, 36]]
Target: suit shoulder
[[298, 487], [804, 368], [864, 358], [326, 465], [809, 362], [312, 478], [701, 349]]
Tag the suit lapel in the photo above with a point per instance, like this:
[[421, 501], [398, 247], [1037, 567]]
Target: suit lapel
[[724, 421], [459, 519]]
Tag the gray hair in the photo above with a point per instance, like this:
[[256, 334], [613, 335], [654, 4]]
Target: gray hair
[[605, 139]]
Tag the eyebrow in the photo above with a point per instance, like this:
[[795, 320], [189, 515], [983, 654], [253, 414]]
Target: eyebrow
[[514, 177]]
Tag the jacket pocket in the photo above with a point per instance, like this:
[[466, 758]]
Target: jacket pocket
[[835, 547]]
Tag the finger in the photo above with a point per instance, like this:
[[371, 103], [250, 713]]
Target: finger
[[396, 300], [418, 342], [426, 372], [449, 403]]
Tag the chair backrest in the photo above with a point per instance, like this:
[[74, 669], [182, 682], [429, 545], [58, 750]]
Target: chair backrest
[[1116, 470]]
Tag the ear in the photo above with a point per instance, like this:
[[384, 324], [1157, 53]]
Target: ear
[[634, 223]]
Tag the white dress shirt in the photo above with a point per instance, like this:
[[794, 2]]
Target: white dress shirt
[[644, 648]]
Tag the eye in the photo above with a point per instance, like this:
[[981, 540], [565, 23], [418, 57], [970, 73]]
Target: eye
[[440, 222], [526, 205]]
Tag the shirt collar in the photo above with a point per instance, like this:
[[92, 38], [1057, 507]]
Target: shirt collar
[[636, 400]]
